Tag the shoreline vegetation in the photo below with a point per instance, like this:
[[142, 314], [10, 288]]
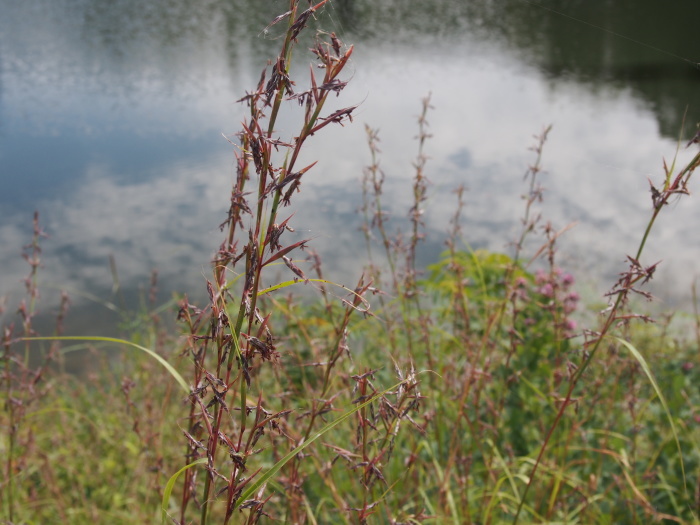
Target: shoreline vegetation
[[476, 391]]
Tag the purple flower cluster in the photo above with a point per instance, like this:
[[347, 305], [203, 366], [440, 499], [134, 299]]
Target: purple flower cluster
[[557, 287], [551, 292]]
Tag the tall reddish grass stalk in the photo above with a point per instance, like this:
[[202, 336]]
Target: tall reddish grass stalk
[[239, 339], [616, 314], [22, 373]]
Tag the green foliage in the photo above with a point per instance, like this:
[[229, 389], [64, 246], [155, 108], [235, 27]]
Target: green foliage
[[465, 453]]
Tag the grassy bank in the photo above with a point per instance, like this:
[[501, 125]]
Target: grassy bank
[[478, 390]]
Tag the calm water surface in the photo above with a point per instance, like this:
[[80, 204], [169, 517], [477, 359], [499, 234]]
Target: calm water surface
[[112, 115]]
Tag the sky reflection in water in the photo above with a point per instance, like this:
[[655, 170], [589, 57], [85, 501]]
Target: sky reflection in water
[[111, 126]]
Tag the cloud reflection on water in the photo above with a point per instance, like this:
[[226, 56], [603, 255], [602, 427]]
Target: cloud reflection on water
[[164, 212]]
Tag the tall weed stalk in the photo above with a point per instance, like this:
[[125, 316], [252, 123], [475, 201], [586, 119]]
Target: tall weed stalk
[[24, 376], [617, 314], [232, 340]]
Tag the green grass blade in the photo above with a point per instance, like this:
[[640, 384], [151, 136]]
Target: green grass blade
[[645, 366], [181, 381], [171, 484], [293, 282], [504, 466], [442, 482]]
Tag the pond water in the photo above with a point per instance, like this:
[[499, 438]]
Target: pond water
[[112, 115]]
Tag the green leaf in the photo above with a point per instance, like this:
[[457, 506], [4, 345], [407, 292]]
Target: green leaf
[[171, 484], [645, 366], [181, 381]]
